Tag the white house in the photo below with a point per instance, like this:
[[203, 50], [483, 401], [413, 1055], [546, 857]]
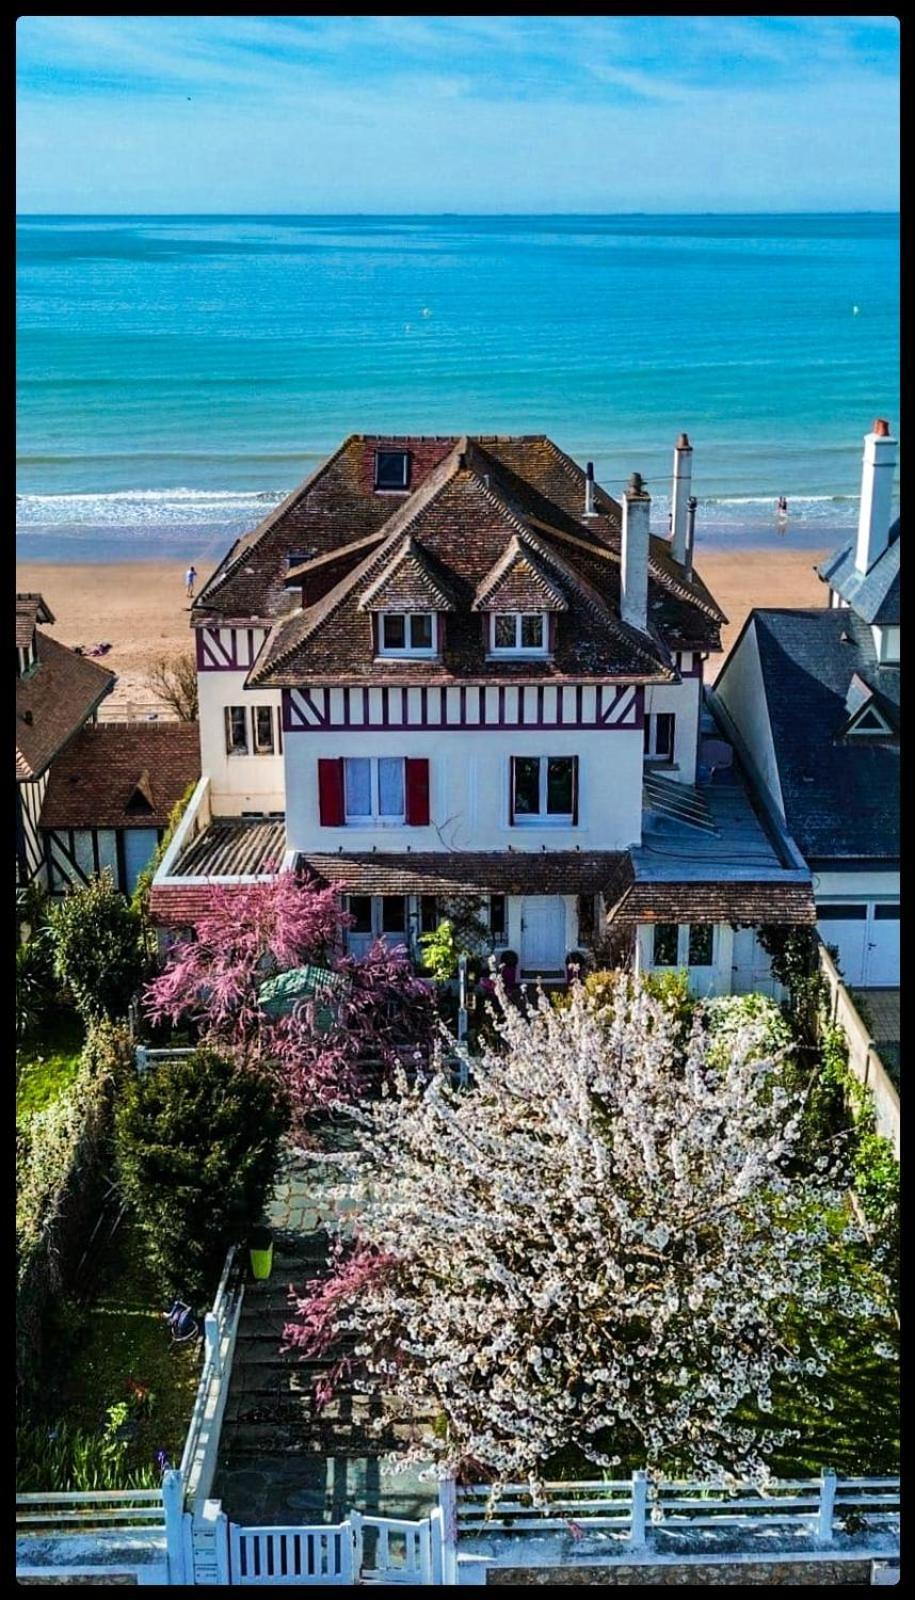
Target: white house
[[456, 666], [813, 696]]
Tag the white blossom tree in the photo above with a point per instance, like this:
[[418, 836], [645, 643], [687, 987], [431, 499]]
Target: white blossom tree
[[603, 1243]]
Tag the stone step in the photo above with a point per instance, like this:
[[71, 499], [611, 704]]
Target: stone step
[[250, 1439]]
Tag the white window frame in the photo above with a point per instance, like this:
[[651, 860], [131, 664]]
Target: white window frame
[[542, 818], [258, 748], [237, 750], [377, 931], [519, 649], [651, 752], [683, 960], [423, 651], [374, 819]]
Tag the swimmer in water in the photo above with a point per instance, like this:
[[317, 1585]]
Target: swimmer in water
[[781, 506]]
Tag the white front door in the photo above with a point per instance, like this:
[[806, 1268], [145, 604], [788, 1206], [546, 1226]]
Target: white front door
[[543, 934], [882, 967]]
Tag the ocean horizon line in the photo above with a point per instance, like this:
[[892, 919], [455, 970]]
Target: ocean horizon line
[[437, 216]]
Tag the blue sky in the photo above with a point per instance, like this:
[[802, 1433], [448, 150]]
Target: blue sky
[[472, 114]]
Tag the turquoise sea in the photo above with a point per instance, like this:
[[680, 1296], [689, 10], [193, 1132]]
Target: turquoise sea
[[177, 375]]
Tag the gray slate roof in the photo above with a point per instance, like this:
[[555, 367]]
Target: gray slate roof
[[875, 597], [841, 794]]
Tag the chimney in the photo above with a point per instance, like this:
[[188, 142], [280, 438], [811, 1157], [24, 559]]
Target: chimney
[[876, 495], [683, 474], [691, 506], [589, 491], [634, 555]]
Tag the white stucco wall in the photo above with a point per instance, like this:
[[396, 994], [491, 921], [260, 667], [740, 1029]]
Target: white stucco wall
[[682, 699], [740, 687], [469, 789], [864, 885], [237, 783]]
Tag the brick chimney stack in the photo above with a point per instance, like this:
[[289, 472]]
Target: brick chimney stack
[[878, 470], [634, 554]]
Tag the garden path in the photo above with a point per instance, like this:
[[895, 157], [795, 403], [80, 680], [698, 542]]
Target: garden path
[[281, 1460]]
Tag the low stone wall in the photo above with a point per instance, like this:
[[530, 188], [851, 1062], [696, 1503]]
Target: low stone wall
[[697, 1574]]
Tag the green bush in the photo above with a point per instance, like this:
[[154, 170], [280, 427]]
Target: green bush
[[34, 982], [64, 1458], [97, 948], [197, 1143]]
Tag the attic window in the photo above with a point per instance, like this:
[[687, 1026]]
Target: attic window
[[869, 722], [411, 633], [519, 634], [392, 469]]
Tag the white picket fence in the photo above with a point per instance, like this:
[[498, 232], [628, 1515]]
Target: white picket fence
[[362, 1549], [633, 1508]]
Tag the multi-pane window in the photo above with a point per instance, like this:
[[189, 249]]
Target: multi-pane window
[[237, 730], [392, 469], [544, 789], [684, 945], [263, 730], [411, 633], [659, 736], [497, 926], [666, 942], [373, 789], [360, 909], [519, 633]]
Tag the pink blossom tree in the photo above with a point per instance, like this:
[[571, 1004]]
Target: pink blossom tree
[[250, 932], [603, 1244]]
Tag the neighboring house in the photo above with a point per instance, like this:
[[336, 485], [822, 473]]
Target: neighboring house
[[457, 666], [57, 692], [109, 797], [814, 697]]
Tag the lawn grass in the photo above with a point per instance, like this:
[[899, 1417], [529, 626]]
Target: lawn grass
[[47, 1064], [121, 1336]]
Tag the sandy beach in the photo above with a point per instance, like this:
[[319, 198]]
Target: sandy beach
[[139, 607]]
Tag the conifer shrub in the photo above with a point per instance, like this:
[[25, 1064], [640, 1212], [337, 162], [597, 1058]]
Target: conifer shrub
[[97, 948], [197, 1142]]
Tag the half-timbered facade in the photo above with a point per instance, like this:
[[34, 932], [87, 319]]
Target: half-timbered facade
[[458, 666], [57, 692], [108, 800]]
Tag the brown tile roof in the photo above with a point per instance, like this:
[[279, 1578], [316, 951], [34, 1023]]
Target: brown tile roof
[[53, 701], [410, 581], [30, 610], [519, 582], [461, 519], [725, 901], [180, 905], [116, 776], [473, 872], [324, 529]]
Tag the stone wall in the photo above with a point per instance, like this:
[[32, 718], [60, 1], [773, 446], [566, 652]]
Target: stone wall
[[694, 1573]]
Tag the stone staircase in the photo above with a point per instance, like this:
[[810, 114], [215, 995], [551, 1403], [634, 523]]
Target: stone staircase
[[283, 1457]]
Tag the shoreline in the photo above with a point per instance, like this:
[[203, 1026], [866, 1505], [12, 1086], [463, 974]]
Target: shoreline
[[139, 606]]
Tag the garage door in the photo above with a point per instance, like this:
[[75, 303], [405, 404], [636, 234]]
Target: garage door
[[882, 964], [846, 927]]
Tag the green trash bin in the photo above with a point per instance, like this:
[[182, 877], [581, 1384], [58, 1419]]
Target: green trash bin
[[260, 1249]]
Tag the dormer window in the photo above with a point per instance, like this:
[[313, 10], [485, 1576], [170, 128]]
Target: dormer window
[[517, 633], [407, 633], [392, 469]]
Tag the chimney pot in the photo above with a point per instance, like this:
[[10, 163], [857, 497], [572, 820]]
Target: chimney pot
[[882, 428], [589, 490], [683, 442], [636, 484], [679, 500]]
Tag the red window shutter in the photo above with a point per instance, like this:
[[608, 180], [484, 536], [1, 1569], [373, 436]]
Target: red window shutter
[[330, 792], [417, 787]]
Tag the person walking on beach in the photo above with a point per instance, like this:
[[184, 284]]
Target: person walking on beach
[[190, 578]]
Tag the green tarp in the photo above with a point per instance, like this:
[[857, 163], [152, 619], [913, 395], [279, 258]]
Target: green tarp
[[279, 995]]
